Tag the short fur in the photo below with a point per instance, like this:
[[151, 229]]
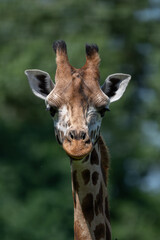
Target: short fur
[[77, 103]]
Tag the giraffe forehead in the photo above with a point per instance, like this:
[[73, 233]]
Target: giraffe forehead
[[77, 91]]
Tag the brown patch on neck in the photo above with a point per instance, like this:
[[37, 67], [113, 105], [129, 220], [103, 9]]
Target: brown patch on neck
[[99, 232], [75, 181], [94, 157], [87, 208], [95, 176], [86, 176], [99, 201]]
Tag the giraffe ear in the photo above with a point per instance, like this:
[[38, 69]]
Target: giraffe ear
[[115, 85], [40, 82]]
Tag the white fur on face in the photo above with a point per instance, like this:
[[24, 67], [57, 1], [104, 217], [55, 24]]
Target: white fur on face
[[94, 121], [62, 119], [60, 122]]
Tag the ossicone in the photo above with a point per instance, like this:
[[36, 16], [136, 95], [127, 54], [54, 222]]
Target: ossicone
[[92, 56], [60, 45], [91, 49]]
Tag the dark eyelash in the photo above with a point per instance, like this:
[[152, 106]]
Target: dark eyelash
[[52, 110], [103, 110]]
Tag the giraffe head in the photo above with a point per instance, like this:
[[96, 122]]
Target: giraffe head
[[76, 101]]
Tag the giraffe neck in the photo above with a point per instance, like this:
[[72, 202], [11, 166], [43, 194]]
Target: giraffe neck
[[89, 187]]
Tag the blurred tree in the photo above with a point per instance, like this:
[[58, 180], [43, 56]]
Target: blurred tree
[[33, 185]]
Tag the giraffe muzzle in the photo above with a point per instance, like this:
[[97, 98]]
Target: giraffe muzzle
[[77, 149]]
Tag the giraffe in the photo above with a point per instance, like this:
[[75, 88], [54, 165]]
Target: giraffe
[[77, 104]]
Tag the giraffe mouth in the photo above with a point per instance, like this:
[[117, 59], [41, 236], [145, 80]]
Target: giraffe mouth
[[77, 149], [77, 158]]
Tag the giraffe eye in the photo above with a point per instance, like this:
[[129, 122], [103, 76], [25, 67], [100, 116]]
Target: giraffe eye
[[103, 110], [52, 110]]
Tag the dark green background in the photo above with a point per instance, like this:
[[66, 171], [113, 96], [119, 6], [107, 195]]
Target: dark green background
[[35, 189]]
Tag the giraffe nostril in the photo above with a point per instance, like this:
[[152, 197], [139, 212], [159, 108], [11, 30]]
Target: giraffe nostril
[[72, 134], [88, 141], [82, 135]]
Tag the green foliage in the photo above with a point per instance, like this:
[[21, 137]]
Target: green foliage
[[36, 199]]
